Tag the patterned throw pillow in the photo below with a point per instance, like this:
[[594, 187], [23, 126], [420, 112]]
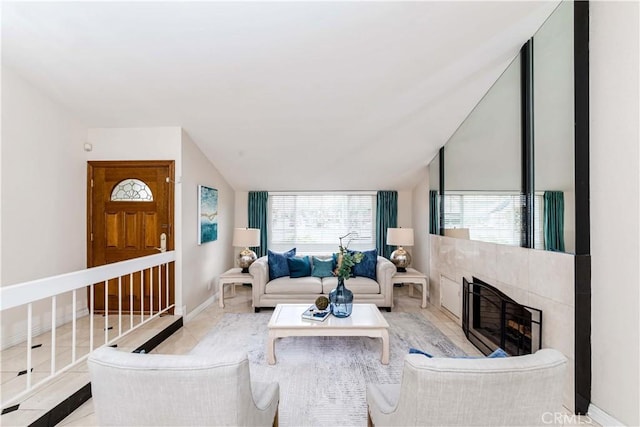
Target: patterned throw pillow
[[367, 267], [322, 267], [278, 265], [299, 266]]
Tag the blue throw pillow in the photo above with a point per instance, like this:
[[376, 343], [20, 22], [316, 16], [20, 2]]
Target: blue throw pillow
[[416, 351], [299, 266], [367, 267], [496, 354], [322, 267], [278, 266]]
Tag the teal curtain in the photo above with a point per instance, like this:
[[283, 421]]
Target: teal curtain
[[257, 214], [554, 221], [386, 217], [434, 212]]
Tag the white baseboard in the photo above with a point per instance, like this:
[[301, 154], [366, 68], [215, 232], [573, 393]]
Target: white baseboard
[[21, 337], [199, 309], [601, 417]]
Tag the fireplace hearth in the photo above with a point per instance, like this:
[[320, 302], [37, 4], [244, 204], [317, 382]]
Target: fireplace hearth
[[491, 319]]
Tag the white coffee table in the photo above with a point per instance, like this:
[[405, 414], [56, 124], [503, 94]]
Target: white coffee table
[[365, 321]]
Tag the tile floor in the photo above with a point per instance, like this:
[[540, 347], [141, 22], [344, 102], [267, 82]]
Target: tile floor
[[188, 336]]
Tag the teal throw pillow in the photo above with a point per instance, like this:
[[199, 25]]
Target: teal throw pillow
[[322, 267], [299, 267], [367, 266], [278, 266]]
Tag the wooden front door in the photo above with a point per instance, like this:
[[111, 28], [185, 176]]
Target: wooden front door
[[130, 207]]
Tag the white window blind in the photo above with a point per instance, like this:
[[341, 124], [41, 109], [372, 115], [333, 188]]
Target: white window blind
[[494, 217], [313, 222]]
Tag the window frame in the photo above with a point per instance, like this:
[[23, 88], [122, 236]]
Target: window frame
[[330, 245]]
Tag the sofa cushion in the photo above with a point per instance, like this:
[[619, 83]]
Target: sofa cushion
[[357, 285], [278, 266], [322, 267], [300, 285], [367, 266], [299, 266]]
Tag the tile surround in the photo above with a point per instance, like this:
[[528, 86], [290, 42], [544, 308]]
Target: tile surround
[[540, 279]]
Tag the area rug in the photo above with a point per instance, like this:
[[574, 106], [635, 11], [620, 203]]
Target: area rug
[[323, 379]]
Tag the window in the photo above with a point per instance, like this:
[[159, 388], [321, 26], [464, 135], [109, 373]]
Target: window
[[491, 216], [131, 190], [313, 222]]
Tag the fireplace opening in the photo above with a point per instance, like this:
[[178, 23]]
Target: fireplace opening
[[491, 319]]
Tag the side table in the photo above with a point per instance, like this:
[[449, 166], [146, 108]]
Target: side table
[[414, 277], [231, 277]]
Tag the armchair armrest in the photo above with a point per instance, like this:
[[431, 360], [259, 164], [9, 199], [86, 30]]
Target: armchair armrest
[[384, 274], [259, 270]]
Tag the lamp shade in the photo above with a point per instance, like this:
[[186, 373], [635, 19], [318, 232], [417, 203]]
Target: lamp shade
[[458, 233], [246, 237], [400, 236]]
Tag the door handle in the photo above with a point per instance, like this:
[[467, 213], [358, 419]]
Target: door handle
[[163, 243]]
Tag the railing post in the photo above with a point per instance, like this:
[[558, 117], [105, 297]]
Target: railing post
[[120, 305], [74, 310], [53, 334], [29, 342]]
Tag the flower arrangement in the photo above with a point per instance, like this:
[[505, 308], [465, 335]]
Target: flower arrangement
[[346, 259]]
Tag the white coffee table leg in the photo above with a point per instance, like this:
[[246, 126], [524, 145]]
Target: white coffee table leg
[[385, 347], [271, 349], [424, 294]]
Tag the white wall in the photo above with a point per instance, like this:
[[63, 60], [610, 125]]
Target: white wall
[[420, 212], [202, 264], [614, 209], [43, 197]]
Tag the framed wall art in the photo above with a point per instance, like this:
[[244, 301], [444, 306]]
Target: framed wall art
[[207, 214]]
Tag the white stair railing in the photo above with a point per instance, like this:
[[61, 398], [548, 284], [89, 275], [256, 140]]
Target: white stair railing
[[28, 293]]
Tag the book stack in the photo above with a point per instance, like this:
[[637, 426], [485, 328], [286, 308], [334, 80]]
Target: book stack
[[314, 313]]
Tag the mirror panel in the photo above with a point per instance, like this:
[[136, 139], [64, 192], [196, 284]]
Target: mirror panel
[[482, 166], [434, 195], [554, 128]]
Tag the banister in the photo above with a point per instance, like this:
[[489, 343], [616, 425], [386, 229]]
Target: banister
[[34, 290]]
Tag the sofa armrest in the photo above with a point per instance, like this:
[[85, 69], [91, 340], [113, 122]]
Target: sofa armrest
[[384, 274], [259, 270]]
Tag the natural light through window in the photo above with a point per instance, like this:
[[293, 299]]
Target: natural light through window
[[312, 222], [491, 216]]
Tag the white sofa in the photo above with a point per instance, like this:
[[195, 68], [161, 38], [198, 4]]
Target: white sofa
[[440, 391], [306, 289]]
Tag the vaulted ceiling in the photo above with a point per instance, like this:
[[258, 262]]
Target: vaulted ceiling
[[278, 95]]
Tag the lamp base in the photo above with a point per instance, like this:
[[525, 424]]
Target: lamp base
[[245, 259], [401, 259]]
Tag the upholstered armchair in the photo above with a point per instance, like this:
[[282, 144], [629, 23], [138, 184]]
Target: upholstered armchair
[[167, 390], [512, 391]]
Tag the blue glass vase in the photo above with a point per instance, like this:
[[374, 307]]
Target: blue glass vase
[[341, 300]]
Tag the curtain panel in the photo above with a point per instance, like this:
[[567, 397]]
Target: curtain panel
[[554, 221], [257, 214], [386, 217]]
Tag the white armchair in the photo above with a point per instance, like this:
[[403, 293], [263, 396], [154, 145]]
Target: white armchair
[[131, 389], [511, 391]]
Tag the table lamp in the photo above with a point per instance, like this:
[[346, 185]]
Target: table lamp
[[245, 238], [400, 237]]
